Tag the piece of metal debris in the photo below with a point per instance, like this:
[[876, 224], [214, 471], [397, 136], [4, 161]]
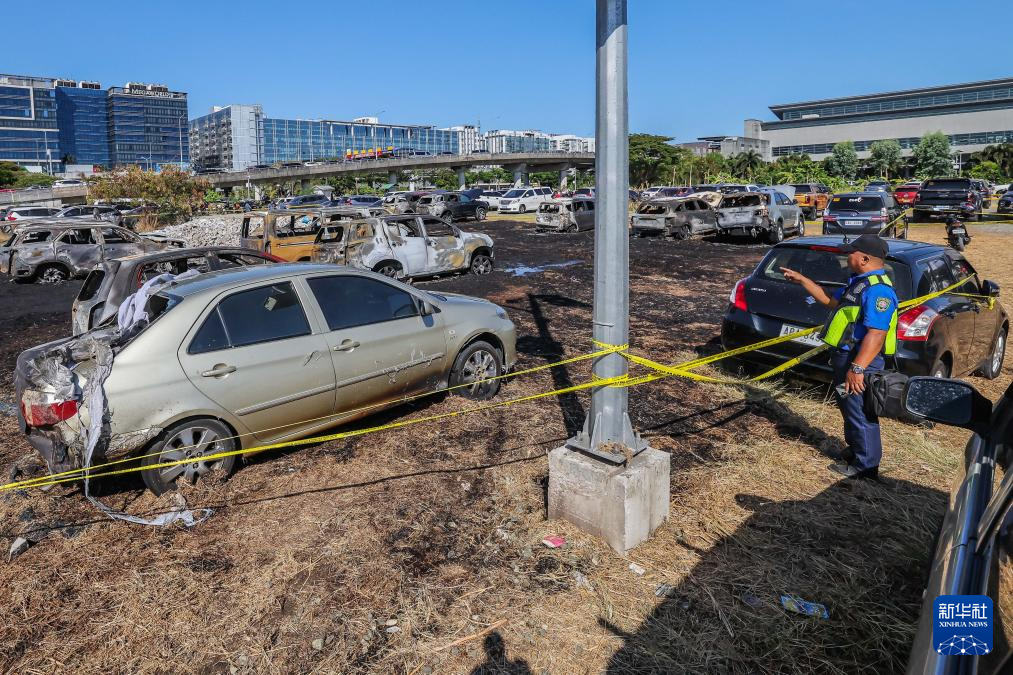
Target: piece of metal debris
[[793, 603], [19, 546], [665, 591]]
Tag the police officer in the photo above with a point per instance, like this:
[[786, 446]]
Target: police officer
[[862, 328]]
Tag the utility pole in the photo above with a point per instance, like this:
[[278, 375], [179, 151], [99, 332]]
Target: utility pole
[[606, 480]]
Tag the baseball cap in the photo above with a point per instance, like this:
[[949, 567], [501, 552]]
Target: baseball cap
[[870, 244]]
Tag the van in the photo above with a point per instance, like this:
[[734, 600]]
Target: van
[[524, 199]]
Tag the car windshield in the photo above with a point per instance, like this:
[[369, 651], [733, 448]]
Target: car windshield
[[426, 200], [802, 188], [827, 267], [956, 184], [514, 193], [859, 203]]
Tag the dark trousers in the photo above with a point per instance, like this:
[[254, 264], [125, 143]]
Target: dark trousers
[[861, 432]]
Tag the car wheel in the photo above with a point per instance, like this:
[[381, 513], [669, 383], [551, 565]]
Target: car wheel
[[993, 368], [387, 269], [192, 439], [52, 274], [448, 216], [481, 264], [680, 233], [473, 367], [940, 369], [522, 209], [480, 214], [958, 243], [801, 226], [776, 233]]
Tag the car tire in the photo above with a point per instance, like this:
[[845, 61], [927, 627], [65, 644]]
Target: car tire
[[191, 438], [448, 216], [939, 369], [480, 214], [478, 361], [958, 243], [776, 233], [680, 234], [481, 264], [801, 226], [51, 274], [993, 368], [387, 269], [522, 209]]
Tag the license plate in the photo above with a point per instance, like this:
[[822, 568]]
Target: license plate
[[958, 230], [812, 339], [853, 223]]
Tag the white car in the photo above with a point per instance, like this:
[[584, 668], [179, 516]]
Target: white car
[[525, 199], [649, 193], [68, 182], [24, 212], [492, 197]]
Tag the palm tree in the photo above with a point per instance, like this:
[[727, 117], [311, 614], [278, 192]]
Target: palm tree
[[1000, 154], [747, 163]]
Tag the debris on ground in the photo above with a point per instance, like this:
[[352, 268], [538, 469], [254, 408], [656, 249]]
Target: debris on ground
[[793, 603], [582, 581], [751, 600], [665, 591], [554, 541], [220, 230], [637, 569], [19, 546]]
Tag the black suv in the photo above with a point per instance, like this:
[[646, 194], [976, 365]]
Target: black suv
[[949, 335], [858, 213]]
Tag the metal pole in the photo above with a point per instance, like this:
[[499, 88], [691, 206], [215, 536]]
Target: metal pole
[[608, 422]]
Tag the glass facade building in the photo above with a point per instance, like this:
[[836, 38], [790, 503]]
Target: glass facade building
[[82, 113], [147, 126], [306, 140], [28, 121], [502, 140]]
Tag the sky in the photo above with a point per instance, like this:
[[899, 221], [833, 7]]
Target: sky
[[695, 68]]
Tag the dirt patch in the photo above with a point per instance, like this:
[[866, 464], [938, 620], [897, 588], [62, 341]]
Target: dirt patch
[[313, 556]]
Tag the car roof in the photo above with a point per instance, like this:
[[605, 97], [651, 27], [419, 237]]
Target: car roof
[[898, 248], [234, 277], [862, 193], [170, 254], [62, 224]]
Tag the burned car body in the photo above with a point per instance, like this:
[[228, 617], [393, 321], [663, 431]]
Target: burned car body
[[109, 284], [565, 215], [51, 252], [290, 234], [767, 213], [240, 357], [680, 218], [452, 206], [404, 246]]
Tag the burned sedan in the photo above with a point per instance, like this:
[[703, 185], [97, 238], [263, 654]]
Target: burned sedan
[[565, 215], [768, 213], [50, 252], [679, 218], [405, 246], [109, 284], [241, 357]]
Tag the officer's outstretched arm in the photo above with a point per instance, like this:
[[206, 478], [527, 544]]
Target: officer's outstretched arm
[[813, 288]]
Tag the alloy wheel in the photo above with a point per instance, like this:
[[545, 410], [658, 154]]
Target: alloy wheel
[[477, 370], [193, 443]]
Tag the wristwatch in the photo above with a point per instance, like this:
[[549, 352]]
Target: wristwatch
[[857, 369]]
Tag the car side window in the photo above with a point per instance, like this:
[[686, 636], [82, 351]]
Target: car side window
[[935, 276], [36, 237], [250, 317], [348, 301], [81, 237], [112, 235], [438, 228], [960, 269], [689, 206]]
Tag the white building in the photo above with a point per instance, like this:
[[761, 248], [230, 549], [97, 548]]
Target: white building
[[228, 137], [571, 143], [469, 138]]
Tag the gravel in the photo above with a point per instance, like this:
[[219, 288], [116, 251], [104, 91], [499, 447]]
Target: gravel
[[221, 230]]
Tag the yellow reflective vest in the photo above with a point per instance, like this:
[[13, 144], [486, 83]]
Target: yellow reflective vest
[[839, 330]]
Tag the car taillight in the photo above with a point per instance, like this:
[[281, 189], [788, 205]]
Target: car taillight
[[738, 296], [829, 218], [877, 219], [915, 323], [46, 413]]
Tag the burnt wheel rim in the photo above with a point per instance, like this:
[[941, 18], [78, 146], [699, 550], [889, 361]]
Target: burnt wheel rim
[[477, 370], [388, 271], [998, 353], [482, 265], [52, 275], [191, 443]]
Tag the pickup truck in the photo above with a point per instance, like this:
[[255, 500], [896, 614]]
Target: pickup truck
[[941, 197], [812, 198], [403, 246]]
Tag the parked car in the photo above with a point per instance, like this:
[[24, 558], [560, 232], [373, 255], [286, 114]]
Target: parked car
[[492, 198], [767, 213], [253, 355], [941, 197], [812, 198], [16, 213], [906, 194], [565, 215], [669, 192], [362, 200], [877, 186], [110, 283], [303, 201], [952, 335], [68, 182], [1005, 203], [649, 193], [452, 206], [857, 213], [677, 218], [98, 211], [404, 246], [585, 192], [53, 252], [411, 200], [522, 200], [290, 234], [974, 548]]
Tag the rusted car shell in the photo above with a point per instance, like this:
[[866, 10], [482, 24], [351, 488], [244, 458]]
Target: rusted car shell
[[565, 215], [679, 217]]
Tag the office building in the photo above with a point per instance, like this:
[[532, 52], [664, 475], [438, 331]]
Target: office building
[[973, 115], [506, 140], [227, 138], [82, 110], [29, 132], [469, 138], [571, 143], [147, 125]]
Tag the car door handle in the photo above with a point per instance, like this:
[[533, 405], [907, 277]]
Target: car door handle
[[218, 371], [345, 346]]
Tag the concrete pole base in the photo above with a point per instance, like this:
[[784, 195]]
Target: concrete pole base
[[623, 505]]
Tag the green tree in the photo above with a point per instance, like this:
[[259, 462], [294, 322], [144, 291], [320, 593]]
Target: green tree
[[653, 159], [843, 161], [25, 179], [545, 178], [1001, 154], [885, 157], [746, 164], [445, 179], [176, 192], [9, 172], [932, 156], [990, 171]]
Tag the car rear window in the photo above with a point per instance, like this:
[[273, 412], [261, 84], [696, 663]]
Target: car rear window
[[860, 203], [803, 188], [954, 184], [743, 200], [826, 267]]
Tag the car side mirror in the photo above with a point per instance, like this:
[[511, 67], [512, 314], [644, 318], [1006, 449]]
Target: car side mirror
[[990, 288], [427, 308], [952, 402]]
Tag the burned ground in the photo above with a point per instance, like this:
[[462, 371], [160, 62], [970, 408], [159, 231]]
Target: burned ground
[[418, 550]]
